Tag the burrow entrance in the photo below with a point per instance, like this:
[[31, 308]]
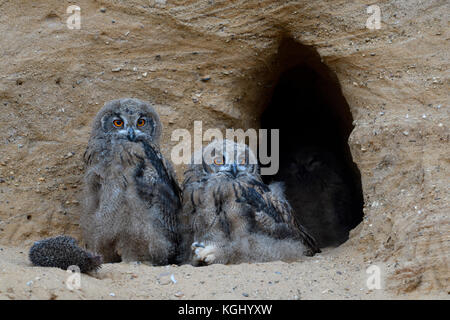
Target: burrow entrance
[[322, 182]]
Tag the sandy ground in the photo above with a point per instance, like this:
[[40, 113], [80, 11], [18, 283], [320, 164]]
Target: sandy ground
[[333, 274]]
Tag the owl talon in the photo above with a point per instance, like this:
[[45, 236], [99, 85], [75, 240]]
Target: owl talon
[[197, 245], [205, 254], [262, 218]]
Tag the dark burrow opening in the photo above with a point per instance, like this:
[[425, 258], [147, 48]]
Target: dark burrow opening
[[321, 181]]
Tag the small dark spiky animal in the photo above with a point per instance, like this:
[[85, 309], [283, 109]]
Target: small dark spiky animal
[[63, 252]]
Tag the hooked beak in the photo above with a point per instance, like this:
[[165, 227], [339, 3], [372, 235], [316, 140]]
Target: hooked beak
[[131, 134], [233, 169]]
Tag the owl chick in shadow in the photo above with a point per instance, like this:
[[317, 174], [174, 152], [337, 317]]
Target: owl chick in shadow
[[319, 194], [230, 216], [132, 198]]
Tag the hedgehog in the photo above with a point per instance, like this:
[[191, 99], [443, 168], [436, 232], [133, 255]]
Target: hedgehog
[[63, 252]]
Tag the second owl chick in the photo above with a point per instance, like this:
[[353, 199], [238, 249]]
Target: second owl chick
[[231, 216]]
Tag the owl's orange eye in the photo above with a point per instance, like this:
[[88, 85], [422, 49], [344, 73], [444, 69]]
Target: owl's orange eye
[[118, 123], [140, 122], [218, 161]]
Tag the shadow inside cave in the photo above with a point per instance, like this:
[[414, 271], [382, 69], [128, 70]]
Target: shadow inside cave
[[322, 182]]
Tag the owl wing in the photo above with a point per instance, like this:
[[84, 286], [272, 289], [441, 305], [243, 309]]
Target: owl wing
[[197, 197], [172, 177], [90, 156], [281, 204], [161, 188], [274, 214], [163, 168]]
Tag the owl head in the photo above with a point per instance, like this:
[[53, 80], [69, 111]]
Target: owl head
[[128, 119], [230, 159], [309, 160]]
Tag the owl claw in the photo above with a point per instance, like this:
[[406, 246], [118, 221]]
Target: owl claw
[[261, 217], [197, 245], [204, 254]]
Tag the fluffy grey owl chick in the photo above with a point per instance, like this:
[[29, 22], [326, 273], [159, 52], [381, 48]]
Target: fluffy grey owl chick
[[231, 216], [132, 196], [319, 194]]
